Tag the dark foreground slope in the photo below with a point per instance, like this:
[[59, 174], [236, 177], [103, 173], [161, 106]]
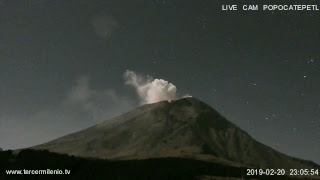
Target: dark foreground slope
[[92, 169], [186, 128]]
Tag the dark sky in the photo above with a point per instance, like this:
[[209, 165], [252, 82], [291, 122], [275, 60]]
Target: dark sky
[[62, 65]]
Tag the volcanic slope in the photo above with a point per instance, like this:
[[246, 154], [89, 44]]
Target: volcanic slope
[[185, 128]]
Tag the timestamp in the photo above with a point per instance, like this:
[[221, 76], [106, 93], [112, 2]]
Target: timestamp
[[304, 172], [267, 172]]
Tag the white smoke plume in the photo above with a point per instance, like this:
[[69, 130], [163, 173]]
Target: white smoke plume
[[150, 90]]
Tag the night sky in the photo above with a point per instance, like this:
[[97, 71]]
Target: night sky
[[62, 65]]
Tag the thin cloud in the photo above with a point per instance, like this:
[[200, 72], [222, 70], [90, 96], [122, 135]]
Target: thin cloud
[[100, 104], [104, 25]]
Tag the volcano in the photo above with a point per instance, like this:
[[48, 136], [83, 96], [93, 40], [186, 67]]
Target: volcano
[[184, 128]]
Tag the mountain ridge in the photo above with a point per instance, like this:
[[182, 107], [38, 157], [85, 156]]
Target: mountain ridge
[[185, 128]]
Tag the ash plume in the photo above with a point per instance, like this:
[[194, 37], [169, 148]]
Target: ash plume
[[150, 90]]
